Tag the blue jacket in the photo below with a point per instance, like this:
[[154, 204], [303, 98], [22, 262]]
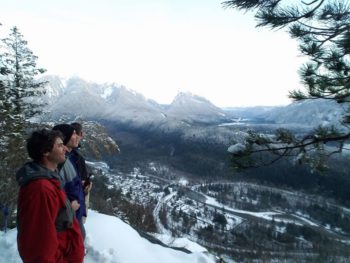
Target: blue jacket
[[73, 185]]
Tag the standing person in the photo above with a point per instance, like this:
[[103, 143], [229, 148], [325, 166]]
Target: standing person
[[81, 165], [48, 231], [70, 174]]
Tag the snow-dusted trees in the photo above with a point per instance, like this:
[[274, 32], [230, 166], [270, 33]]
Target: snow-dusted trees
[[322, 28], [21, 87], [19, 101]]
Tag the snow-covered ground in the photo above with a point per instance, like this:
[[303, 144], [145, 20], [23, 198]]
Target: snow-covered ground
[[110, 240]]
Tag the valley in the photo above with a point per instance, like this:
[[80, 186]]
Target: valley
[[238, 220]]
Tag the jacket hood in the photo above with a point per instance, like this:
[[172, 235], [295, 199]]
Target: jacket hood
[[33, 171]]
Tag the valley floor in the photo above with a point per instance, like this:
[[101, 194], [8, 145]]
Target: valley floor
[[241, 221]]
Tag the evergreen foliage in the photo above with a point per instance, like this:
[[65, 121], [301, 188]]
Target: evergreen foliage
[[322, 28], [19, 102], [220, 219], [22, 88]]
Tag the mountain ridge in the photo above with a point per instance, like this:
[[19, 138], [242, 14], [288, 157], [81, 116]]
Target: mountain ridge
[[114, 102]]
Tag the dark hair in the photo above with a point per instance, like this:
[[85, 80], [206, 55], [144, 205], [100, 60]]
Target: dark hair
[[77, 127], [66, 130], [40, 142]]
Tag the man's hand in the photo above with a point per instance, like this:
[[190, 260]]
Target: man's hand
[[87, 186]]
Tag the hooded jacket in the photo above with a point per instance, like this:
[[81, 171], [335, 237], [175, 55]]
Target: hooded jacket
[[47, 229]]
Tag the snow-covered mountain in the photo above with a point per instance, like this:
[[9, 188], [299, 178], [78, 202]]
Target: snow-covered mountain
[[54, 88], [310, 112], [77, 98], [114, 102], [109, 101], [110, 240], [193, 107], [125, 104]]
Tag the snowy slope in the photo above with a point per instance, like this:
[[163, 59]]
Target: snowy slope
[[110, 240], [54, 89], [194, 107], [312, 112], [125, 104]]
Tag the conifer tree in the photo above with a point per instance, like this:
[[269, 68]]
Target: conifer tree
[[20, 100], [322, 28], [23, 89]]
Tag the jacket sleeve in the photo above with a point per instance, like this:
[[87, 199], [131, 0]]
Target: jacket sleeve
[[72, 189], [72, 182], [37, 236]]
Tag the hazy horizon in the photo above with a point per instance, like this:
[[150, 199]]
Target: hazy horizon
[[160, 48]]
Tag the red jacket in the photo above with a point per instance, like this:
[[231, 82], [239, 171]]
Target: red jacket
[[39, 202]]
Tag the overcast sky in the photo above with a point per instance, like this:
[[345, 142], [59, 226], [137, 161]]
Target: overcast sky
[[160, 47]]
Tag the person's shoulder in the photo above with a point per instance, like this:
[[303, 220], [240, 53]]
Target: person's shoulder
[[44, 184], [43, 189]]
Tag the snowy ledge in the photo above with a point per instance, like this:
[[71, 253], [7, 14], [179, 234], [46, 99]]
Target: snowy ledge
[[110, 240]]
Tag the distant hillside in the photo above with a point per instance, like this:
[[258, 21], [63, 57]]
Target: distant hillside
[[312, 112]]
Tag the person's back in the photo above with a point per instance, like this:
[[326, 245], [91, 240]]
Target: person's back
[[47, 228]]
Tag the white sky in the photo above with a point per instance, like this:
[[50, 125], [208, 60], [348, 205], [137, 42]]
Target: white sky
[[160, 47]]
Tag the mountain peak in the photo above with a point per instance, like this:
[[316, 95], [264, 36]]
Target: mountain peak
[[54, 88], [194, 107], [188, 97]]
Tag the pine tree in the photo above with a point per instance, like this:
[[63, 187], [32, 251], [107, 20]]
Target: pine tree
[[23, 89], [322, 28], [20, 100]]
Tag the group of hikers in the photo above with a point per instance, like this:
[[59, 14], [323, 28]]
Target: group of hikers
[[52, 206]]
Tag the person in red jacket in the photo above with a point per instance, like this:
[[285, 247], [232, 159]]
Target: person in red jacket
[[48, 231]]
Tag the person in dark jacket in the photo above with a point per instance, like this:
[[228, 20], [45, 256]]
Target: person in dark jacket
[[70, 175], [82, 167], [48, 231]]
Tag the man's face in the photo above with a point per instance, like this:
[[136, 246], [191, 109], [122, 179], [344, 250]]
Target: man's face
[[80, 136], [73, 141], [57, 154]]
